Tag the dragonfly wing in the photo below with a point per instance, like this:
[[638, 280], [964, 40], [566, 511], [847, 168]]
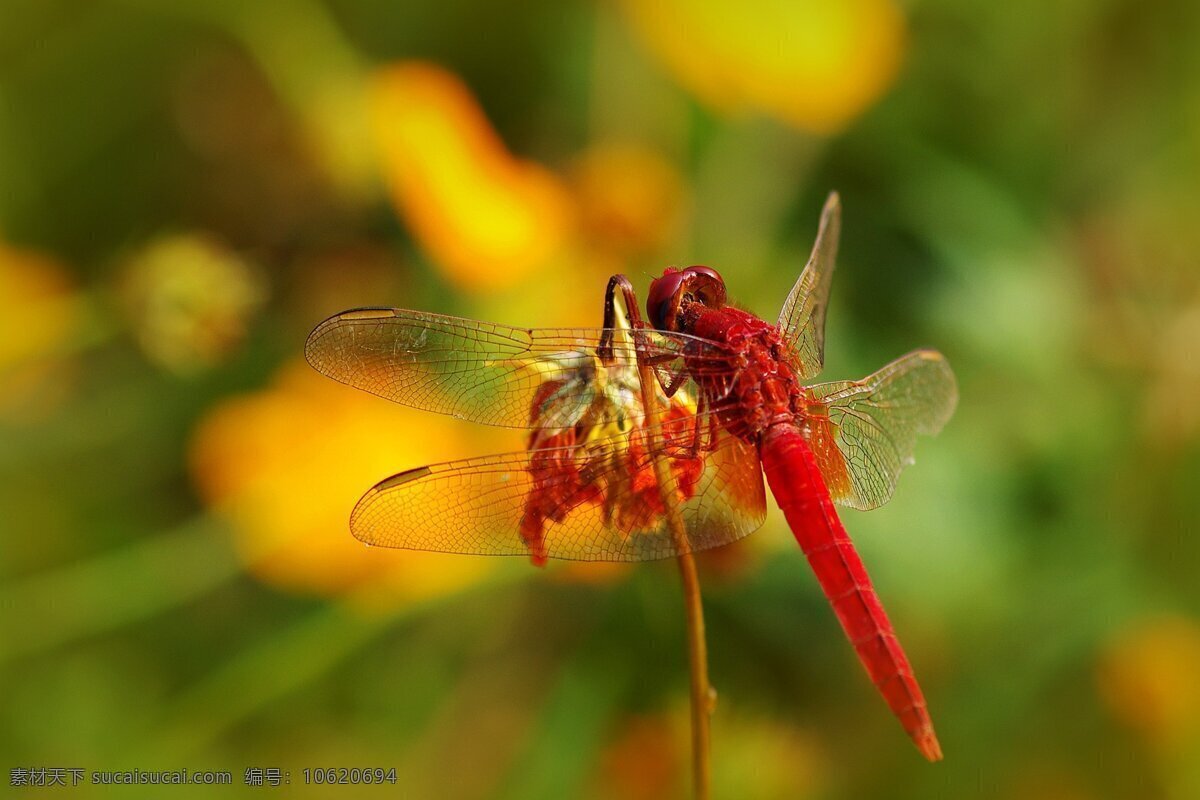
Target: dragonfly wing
[[593, 503], [802, 320], [480, 371], [874, 422]]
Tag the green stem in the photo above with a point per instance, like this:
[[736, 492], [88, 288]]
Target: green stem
[[701, 691]]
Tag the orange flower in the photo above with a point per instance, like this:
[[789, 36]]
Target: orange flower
[[190, 300], [813, 65], [630, 198], [39, 313], [647, 760], [486, 218], [286, 465], [1148, 677], [596, 573]]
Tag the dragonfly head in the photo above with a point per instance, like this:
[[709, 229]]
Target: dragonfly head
[[678, 289]]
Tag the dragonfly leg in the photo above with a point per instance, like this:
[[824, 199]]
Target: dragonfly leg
[[699, 422], [617, 283], [677, 379], [622, 285], [698, 427]]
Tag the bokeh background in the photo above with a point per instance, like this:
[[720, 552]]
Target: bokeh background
[[187, 188]]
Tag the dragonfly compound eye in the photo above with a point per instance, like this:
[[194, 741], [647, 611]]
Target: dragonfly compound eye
[[705, 285], [663, 301]]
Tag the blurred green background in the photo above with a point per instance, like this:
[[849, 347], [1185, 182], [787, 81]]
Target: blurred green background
[[187, 188]]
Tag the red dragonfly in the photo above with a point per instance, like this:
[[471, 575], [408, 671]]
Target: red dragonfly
[[733, 406]]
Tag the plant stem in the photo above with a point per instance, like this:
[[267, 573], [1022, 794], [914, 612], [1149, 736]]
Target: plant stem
[[701, 692]]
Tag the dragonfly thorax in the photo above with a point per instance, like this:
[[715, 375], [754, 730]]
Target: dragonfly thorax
[[756, 388]]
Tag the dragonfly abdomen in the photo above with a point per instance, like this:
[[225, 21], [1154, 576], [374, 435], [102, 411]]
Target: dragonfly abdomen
[[795, 479]]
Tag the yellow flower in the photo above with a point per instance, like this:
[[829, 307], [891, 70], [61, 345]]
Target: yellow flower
[[39, 313], [190, 300], [1148, 677], [811, 64], [758, 756], [286, 465], [485, 217]]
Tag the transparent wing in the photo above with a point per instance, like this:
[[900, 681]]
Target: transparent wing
[[572, 503], [873, 424], [802, 320], [480, 371]]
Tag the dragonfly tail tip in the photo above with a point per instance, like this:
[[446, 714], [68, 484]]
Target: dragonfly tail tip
[[927, 743]]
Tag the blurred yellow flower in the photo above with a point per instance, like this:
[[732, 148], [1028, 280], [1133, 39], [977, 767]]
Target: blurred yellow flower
[[757, 756], [1150, 677], [287, 464], [630, 198], [39, 313], [189, 299], [752, 756], [485, 217], [813, 65]]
